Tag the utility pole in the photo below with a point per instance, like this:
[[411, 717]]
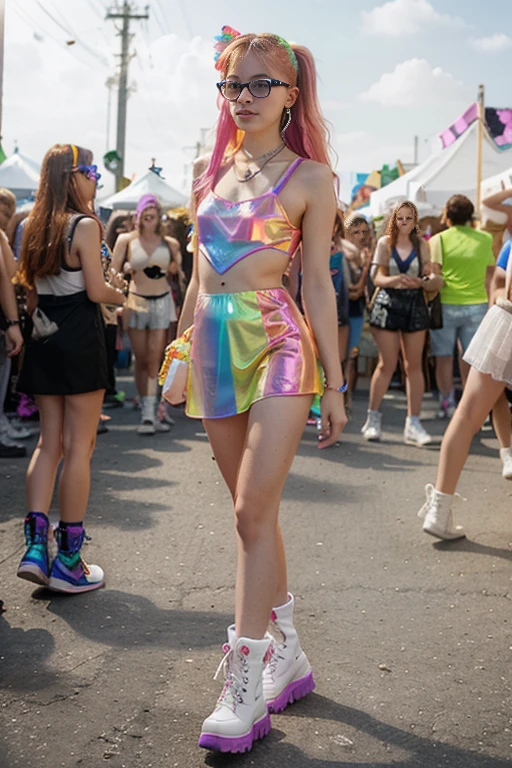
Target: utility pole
[[416, 144], [126, 14], [480, 134]]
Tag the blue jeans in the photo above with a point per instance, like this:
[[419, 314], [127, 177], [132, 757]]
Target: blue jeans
[[460, 323]]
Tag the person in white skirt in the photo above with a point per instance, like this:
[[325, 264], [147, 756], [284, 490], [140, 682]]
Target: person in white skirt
[[490, 357]]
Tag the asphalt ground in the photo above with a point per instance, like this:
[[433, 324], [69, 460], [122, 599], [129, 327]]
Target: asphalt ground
[[409, 638]]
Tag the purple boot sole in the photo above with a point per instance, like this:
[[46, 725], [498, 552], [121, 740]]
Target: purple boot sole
[[239, 744], [293, 692]]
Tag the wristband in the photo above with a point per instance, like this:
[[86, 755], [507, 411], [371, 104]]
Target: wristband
[[10, 323], [341, 389]]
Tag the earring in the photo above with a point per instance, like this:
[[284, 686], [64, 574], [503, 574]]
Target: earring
[[287, 120]]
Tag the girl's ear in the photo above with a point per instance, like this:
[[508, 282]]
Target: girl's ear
[[291, 97]]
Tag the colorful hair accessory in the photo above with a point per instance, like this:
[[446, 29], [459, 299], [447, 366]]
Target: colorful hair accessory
[[289, 51], [222, 41], [146, 201], [74, 150]]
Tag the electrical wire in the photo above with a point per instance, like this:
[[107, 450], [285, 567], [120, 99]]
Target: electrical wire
[[39, 29], [72, 34], [164, 16]]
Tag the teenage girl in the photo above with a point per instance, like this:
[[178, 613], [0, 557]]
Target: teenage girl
[[65, 368], [399, 318], [149, 256], [490, 356], [253, 369]]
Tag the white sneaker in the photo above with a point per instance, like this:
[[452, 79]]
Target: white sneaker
[[438, 517], [506, 457], [372, 429], [288, 676], [13, 431], [147, 422], [162, 426], [241, 714], [415, 433]]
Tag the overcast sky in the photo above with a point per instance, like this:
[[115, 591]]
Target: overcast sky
[[388, 71]]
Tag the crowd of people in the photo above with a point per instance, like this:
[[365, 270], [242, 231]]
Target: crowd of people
[[263, 307]]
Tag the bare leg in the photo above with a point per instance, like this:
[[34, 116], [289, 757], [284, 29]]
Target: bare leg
[[227, 438], [45, 460], [478, 399], [412, 347], [388, 343], [81, 415], [273, 435], [156, 340], [501, 421], [444, 374], [138, 340]]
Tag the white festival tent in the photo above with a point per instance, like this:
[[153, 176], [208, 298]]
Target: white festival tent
[[497, 183], [150, 183], [20, 174], [449, 171]]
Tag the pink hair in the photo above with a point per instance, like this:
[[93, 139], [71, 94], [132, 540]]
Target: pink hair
[[307, 135]]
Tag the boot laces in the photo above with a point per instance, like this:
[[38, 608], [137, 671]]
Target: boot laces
[[430, 495], [235, 678]]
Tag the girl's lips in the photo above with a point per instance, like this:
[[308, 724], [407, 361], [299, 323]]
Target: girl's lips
[[245, 114]]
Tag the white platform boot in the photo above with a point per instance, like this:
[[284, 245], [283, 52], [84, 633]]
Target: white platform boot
[[241, 714], [437, 515], [287, 676]]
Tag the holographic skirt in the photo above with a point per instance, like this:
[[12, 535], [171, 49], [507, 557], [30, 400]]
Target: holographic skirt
[[246, 347]]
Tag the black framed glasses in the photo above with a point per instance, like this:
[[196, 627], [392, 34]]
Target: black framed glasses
[[260, 88]]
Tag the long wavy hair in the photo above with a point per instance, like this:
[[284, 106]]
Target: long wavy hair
[[308, 133], [44, 240], [392, 228]]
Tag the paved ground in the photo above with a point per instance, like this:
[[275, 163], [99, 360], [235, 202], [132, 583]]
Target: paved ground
[[410, 639]]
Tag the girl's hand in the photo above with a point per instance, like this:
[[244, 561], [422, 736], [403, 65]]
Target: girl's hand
[[14, 340], [333, 418]]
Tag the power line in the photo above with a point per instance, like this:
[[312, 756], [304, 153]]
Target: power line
[[72, 35], [39, 29], [164, 16]]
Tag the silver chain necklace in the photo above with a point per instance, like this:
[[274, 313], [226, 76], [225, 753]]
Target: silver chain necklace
[[267, 157]]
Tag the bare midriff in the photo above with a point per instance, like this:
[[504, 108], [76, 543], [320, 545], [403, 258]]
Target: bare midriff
[[259, 271]]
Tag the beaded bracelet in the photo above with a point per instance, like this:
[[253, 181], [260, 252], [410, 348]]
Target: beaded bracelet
[[341, 389]]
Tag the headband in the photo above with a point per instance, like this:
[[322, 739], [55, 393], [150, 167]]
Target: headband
[[228, 34], [74, 150]]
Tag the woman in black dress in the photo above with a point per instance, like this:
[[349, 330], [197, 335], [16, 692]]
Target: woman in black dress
[[65, 361]]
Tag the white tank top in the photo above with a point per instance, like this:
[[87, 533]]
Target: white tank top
[[63, 284], [69, 280]]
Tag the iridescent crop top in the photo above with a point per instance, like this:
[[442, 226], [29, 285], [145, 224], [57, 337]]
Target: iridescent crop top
[[229, 231]]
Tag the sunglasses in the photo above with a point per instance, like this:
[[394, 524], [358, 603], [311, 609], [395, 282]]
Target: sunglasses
[[260, 89], [89, 171]]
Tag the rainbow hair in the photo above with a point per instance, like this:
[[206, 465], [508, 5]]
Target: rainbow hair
[[307, 135]]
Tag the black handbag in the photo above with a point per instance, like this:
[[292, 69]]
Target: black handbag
[[435, 312], [434, 307]]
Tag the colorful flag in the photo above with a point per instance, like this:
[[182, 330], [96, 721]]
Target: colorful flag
[[499, 124], [456, 129]]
